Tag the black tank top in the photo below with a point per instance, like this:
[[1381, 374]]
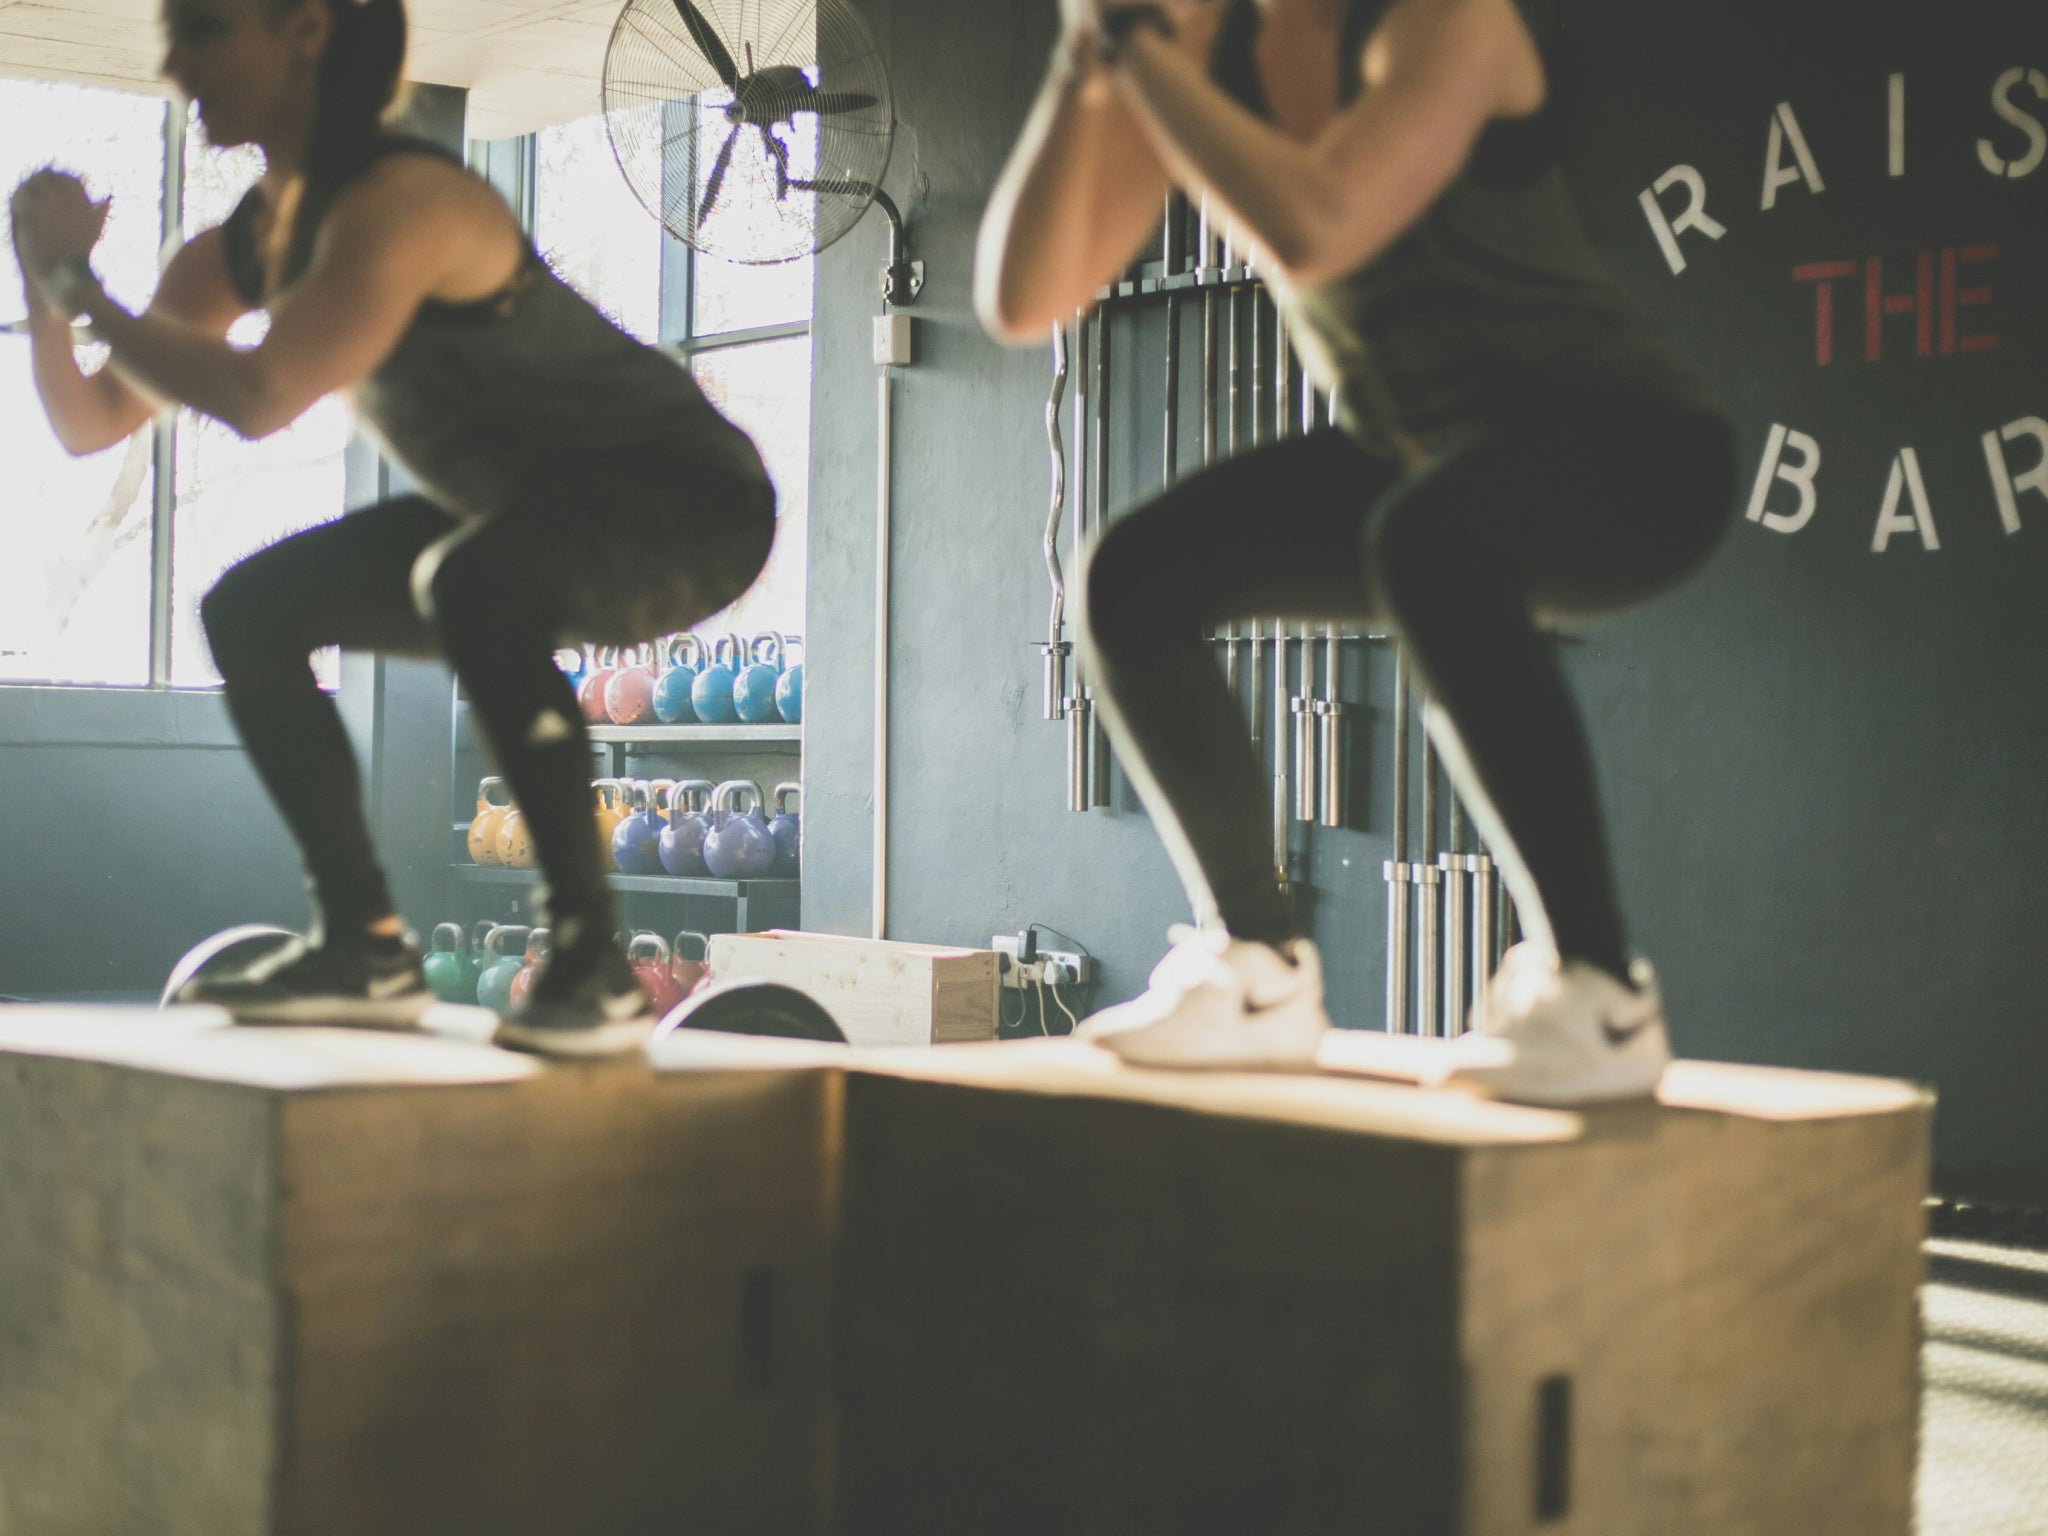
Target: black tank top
[[483, 402], [1493, 298]]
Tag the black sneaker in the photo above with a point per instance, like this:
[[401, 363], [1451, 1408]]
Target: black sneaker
[[580, 1011], [370, 982]]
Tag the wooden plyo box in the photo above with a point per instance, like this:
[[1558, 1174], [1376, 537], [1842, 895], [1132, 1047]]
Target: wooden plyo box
[[266, 1283], [880, 993], [1084, 1300]]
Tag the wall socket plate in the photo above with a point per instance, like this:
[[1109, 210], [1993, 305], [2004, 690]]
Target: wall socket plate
[[1054, 967]]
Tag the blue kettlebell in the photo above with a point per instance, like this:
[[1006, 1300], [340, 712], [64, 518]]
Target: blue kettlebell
[[789, 692], [740, 846], [753, 691], [681, 844], [685, 656], [711, 694], [575, 665], [636, 842], [787, 830]]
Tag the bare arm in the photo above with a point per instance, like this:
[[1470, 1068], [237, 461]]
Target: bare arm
[[1082, 189], [390, 238], [1440, 71], [92, 412]]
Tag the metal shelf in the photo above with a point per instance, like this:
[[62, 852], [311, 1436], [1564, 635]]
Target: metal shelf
[[651, 885], [686, 735]]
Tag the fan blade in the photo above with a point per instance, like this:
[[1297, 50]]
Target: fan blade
[[708, 43], [717, 182], [780, 152], [838, 101]]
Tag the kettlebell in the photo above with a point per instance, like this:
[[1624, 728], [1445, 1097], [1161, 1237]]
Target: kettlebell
[[483, 829], [611, 808], [507, 949], [740, 846], [681, 844], [590, 695], [635, 844], [711, 694], [789, 690], [648, 954], [672, 704], [786, 828], [753, 691], [514, 843], [686, 971], [629, 695], [479, 958], [658, 795], [447, 968], [537, 952]]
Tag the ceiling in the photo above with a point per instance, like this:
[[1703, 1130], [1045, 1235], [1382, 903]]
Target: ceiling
[[526, 63]]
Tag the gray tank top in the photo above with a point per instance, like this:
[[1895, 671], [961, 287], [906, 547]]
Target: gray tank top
[[1494, 299], [483, 402]]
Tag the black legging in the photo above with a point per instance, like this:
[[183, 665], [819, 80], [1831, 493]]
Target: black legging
[[612, 553], [1583, 507]]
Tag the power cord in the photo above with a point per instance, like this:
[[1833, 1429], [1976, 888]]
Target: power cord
[[1072, 1022]]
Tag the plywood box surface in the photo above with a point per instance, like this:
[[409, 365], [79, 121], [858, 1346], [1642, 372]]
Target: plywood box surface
[[881, 993]]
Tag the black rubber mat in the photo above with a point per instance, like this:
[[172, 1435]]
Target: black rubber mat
[[1984, 1424]]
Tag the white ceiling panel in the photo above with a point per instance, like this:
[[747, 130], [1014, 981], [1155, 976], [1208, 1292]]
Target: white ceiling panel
[[525, 63]]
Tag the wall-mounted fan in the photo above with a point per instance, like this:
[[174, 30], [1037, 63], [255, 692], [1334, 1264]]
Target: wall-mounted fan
[[756, 131]]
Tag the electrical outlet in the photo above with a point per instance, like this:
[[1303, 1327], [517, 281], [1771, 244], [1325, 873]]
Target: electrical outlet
[[1053, 967]]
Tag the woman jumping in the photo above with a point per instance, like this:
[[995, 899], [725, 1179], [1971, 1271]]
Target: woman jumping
[[1516, 442], [577, 485]]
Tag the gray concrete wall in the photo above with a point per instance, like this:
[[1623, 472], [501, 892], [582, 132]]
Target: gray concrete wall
[[1821, 763]]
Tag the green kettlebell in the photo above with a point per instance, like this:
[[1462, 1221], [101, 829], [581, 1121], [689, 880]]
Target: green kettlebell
[[479, 959], [507, 946], [447, 967]]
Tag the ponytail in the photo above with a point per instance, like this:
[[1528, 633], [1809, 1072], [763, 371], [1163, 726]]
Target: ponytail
[[354, 90]]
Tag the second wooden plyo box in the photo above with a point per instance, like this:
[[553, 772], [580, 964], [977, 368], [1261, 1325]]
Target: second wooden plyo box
[[880, 993]]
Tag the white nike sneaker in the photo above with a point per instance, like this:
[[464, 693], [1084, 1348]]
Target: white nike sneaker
[[1562, 1036], [1220, 1004]]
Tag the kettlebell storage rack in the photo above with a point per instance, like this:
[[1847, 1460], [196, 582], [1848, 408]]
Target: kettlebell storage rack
[[751, 904], [1449, 918]]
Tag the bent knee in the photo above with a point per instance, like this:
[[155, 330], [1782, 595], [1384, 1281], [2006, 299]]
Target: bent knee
[[1128, 592]]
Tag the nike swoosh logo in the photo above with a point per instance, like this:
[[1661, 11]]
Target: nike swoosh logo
[[384, 988], [1621, 1037]]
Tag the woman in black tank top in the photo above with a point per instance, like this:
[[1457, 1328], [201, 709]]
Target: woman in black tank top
[[564, 469], [1516, 442]]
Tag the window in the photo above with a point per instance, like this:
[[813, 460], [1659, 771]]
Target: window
[[104, 564], [743, 330], [77, 575], [233, 496]]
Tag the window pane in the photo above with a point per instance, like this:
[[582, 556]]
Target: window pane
[[235, 496], [730, 297], [766, 388], [74, 578], [114, 140], [592, 229]]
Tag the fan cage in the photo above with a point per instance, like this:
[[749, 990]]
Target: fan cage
[[670, 117]]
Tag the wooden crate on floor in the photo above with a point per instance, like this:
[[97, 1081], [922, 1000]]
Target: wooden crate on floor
[[1099, 1302], [881, 993], [321, 1283]]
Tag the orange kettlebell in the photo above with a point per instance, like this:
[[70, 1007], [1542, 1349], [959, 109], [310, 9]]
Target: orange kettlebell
[[611, 810], [514, 844], [686, 971], [483, 830]]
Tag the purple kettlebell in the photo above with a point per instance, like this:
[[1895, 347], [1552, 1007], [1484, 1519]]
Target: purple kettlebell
[[786, 827], [689, 823], [740, 846]]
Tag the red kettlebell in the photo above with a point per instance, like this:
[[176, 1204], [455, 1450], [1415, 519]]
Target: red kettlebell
[[590, 697], [629, 692], [648, 954], [687, 972], [537, 950]]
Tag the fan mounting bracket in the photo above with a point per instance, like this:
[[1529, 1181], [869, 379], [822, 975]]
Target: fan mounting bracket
[[902, 282]]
